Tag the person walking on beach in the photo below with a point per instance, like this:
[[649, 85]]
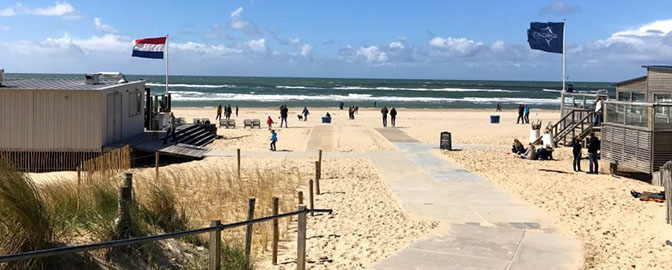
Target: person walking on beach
[[384, 112], [228, 112], [269, 122], [340, 105], [305, 113], [576, 150], [219, 112], [236, 110], [521, 111], [393, 116], [171, 129], [374, 104], [499, 107], [283, 115], [274, 139], [527, 114], [593, 148]]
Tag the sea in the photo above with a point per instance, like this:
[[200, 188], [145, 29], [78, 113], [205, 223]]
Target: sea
[[210, 91]]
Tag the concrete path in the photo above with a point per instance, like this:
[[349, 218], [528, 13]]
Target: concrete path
[[482, 227], [321, 137]]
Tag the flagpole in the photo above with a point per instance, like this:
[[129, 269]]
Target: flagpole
[[167, 66], [564, 57]]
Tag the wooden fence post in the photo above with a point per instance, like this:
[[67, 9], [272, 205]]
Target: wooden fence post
[[312, 202], [301, 240], [128, 182], [215, 247], [156, 164], [319, 159], [238, 155], [300, 197], [124, 220], [248, 231], [79, 175], [666, 175], [317, 177], [276, 230]]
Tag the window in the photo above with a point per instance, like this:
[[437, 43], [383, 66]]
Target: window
[[624, 96], [638, 97], [134, 103], [662, 97]]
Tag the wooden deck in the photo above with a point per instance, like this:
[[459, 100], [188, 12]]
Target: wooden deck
[[151, 141]]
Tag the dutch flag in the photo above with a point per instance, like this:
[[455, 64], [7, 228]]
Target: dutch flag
[[149, 47]]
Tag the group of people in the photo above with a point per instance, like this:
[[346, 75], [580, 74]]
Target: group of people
[[227, 112], [546, 152], [393, 116], [523, 114], [531, 153]]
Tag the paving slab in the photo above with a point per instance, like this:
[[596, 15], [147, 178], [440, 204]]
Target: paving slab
[[487, 228]]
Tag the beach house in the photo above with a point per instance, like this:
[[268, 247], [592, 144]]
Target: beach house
[[637, 128], [60, 122]]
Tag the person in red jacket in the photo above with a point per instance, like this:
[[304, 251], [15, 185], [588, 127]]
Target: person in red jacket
[[270, 123]]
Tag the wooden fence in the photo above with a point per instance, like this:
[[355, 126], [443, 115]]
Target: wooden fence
[[109, 163], [666, 175], [46, 160]]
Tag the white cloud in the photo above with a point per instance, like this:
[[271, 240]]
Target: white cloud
[[649, 42], [498, 46], [258, 45], [294, 40], [560, 8], [249, 28], [5, 28], [306, 49], [461, 46], [100, 26], [204, 49], [105, 43], [372, 54], [396, 45], [59, 9]]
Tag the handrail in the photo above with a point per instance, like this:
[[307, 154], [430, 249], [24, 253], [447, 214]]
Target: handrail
[[581, 122], [648, 104], [139, 240]]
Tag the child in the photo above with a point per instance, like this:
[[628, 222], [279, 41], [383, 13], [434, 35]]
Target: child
[[270, 122], [274, 139]]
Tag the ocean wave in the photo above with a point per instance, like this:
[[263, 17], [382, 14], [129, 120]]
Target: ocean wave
[[424, 89], [193, 85], [552, 90], [200, 96], [296, 87]]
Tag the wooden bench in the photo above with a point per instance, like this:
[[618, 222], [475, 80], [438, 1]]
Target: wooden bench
[[247, 123], [256, 123], [230, 123]]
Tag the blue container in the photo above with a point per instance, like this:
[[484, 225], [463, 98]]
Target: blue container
[[494, 119], [326, 120]]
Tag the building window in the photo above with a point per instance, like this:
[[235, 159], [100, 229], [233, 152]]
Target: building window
[[624, 96], [662, 97], [134, 104], [638, 97]]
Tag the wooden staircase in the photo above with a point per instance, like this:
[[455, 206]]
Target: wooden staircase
[[197, 135], [575, 124]]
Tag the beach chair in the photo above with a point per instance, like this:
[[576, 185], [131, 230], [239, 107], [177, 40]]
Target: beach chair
[[256, 123], [231, 124], [197, 120], [223, 123], [247, 123]]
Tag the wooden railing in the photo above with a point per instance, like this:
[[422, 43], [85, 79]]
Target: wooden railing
[[568, 123], [111, 162]]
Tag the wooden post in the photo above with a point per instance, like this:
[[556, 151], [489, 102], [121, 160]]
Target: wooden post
[[301, 240], [124, 220], [317, 177], [276, 230], [156, 164], [215, 247], [666, 175], [248, 231], [79, 175], [319, 159], [312, 202], [128, 182], [300, 197], [238, 155]]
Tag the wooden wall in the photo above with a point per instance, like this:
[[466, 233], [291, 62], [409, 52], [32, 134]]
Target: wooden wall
[[627, 147], [658, 82], [50, 120], [662, 148]]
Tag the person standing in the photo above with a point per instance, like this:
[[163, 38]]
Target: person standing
[[499, 107], [527, 114], [598, 112], [340, 105], [283, 115], [593, 148], [305, 113], [274, 139], [269, 122], [219, 112], [393, 116], [228, 112], [521, 111], [576, 150], [384, 112], [171, 129], [374, 104], [236, 110]]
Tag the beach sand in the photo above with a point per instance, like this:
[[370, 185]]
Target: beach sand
[[616, 230]]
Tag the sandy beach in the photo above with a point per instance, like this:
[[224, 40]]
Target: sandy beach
[[616, 230]]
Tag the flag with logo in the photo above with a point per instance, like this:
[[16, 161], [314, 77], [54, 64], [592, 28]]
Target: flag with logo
[[546, 36]]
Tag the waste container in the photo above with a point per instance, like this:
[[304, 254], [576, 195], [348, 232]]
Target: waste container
[[446, 143], [494, 119], [326, 120]]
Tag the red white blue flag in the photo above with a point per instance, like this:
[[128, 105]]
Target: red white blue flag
[[149, 47]]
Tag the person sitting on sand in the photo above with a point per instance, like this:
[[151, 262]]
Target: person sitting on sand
[[531, 153], [545, 153], [518, 147], [328, 115], [274, 139], [269, 122]]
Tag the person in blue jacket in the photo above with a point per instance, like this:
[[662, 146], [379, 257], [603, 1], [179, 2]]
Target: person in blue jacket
[[274, 139]]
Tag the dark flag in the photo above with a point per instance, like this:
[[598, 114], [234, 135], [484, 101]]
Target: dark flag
[[546, 36]]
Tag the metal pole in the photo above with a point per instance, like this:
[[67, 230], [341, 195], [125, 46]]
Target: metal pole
[[301, 240], [564, 57], [167, 65]]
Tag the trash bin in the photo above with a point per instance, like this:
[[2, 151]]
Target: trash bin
[[494, 119], [446, 142], [534, 134], [326, 120]]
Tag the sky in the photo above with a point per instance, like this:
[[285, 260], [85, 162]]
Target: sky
[[478, 39]]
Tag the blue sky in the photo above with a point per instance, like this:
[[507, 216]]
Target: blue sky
[[606, 40]]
